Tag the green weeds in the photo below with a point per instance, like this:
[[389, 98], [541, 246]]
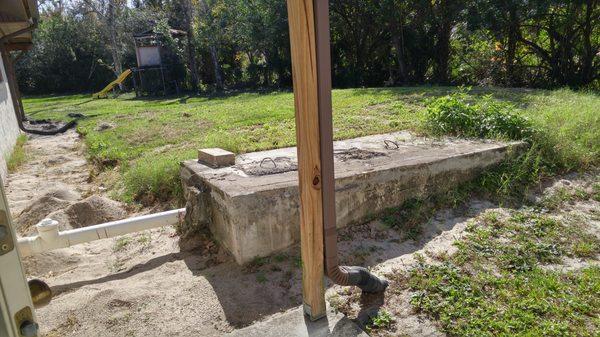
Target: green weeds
[[460, 115], [495, 284], [456, 115], [596, 192], [144, 239], [560, 196], [408, 218], [279, 258], [256, 264], [261, 277], [18, 157], [150, 137], [535, 303], [152, 180], [121, 243], [511, 180], [382, 321]]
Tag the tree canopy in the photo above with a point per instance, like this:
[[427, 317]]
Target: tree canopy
[[80, 45]]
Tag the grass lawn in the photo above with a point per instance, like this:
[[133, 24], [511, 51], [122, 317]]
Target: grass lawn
[[501, 281], [147, 138]]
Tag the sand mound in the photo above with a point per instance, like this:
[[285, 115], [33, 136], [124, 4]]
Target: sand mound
[[51, 201], [94, 210], [63, 205]]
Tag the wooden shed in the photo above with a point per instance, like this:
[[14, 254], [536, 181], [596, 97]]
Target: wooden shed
[[150, 55]]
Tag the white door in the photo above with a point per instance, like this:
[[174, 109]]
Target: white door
[[17, 316]]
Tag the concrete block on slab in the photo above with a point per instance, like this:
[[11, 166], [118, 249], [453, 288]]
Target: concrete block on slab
[[215, 157]]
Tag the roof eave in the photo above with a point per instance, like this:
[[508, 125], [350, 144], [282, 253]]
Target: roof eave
[[15, 16]]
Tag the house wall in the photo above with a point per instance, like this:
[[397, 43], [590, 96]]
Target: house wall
[[9, 129]]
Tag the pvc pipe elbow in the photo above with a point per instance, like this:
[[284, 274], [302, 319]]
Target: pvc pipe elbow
[[48, 230]]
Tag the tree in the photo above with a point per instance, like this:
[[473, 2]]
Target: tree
[[245, 43], [64, 57], [210, 32], [446, 14], [545, 42], [110, 14]]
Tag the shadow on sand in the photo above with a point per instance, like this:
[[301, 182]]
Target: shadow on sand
[[271, 285]]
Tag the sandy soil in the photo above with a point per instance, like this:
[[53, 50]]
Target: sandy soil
[[390, 254], [437, 240], [52, 161], [141, 284], [144, 284]]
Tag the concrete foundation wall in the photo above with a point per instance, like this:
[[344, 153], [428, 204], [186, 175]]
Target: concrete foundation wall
[[258, 215], [9, 129]]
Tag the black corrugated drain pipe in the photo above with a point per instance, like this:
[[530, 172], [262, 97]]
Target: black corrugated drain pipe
[[342, 275]]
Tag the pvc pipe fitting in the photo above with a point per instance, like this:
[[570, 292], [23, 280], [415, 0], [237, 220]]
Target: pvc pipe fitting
[[47, 230], [49, 238]]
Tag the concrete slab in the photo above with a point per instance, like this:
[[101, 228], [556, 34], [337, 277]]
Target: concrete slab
[[252, 208], [294, 323]]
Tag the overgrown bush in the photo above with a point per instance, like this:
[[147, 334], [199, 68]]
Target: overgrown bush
[[462, 116], [485, 118]]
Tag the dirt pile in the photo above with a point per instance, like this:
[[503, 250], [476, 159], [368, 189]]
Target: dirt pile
[[103, 126], [94, 210], [54, 199], [64, 205]]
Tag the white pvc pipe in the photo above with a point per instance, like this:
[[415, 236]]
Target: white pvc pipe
[[50, 238]]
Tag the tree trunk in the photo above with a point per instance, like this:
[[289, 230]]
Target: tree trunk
[[192, 62], [111, 21], [511, 51], [118, 67], [442, 52], [267, 69], [190, 45], [214, 55], [398, 42], [587, 72], [446, 14], [216, 66]]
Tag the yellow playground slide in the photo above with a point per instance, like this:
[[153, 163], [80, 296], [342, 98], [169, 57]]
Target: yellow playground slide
[[104, 92]]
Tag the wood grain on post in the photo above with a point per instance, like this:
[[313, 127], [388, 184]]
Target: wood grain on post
[[301, 18]]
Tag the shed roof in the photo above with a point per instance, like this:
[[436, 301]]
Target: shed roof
[[150, 33]]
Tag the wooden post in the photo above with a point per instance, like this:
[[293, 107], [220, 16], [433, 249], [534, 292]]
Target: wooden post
[[309, 38]]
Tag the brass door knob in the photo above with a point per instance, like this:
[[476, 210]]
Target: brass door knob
[[40, 292]]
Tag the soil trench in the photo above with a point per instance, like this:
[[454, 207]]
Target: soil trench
[[52, 161]]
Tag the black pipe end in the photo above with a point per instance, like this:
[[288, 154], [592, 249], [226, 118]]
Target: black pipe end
[[366, 281], [49, 131]]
